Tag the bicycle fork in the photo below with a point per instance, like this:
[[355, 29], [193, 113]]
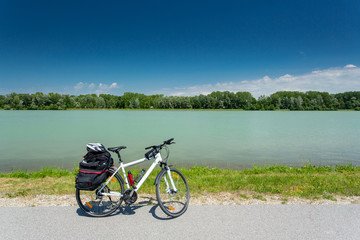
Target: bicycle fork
[[168, 190]]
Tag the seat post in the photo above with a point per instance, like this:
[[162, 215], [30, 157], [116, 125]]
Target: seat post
[[118, 153]]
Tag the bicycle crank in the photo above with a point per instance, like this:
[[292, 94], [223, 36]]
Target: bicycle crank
[[130, 196]]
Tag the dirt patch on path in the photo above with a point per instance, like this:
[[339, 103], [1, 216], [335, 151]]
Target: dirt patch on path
[[243, 198]]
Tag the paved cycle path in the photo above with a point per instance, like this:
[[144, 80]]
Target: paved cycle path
[[199, 222]]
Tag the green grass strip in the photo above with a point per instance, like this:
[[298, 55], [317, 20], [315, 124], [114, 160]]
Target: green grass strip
[[45, 172], [309, 181]]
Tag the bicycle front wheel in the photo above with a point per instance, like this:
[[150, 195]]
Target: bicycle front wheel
[[94, 204], [173, 202]]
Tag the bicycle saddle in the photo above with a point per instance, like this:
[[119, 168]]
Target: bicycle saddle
[[115, 149]]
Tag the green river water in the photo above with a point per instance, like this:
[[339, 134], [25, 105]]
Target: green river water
[[226, 139]]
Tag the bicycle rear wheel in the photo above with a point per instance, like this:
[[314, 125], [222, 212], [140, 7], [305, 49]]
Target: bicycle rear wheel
[[96, 205], [173, 203]]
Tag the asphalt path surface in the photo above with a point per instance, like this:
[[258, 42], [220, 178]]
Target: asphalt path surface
[[199, 222]]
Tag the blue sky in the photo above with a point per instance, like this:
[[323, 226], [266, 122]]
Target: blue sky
[[179, 47]]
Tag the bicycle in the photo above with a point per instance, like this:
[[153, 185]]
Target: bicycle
[[172, 190]]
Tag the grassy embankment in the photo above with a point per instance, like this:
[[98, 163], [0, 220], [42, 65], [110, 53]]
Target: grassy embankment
[[310, 182]]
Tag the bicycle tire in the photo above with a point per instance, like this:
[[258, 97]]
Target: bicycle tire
[[171, 203], [100, 206]]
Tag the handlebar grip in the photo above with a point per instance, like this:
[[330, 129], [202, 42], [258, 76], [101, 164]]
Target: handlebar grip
[[169, 141]]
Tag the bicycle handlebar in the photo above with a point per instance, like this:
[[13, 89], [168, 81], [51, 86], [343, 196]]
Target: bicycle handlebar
[[167, 142]]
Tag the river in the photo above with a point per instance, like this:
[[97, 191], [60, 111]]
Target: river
[[227, 139]]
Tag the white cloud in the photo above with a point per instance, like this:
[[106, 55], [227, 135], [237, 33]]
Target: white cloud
[[332, 80], [86, 88], [79, 86], [350, 66]]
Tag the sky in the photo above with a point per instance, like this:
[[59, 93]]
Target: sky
[[179, 48]]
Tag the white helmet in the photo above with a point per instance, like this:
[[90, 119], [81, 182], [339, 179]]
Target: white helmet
[[95, 147]]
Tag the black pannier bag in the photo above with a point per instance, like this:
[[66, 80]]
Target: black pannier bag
[[90, 179], [94, 168]]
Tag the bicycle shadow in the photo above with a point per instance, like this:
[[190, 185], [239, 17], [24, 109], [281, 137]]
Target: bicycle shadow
[[156, 212]]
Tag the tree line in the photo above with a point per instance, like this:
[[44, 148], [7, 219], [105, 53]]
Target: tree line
[[311, 100]]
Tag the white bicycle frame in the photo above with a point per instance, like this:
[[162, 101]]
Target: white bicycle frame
[[122, 166]]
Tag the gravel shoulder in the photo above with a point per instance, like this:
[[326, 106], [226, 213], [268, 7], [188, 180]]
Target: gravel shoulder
[[206, 199]]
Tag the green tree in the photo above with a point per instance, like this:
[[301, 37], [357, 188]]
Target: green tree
[[2, 98]]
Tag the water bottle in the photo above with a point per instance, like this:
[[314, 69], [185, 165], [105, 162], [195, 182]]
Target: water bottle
[[130, 178], [139, 176]]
